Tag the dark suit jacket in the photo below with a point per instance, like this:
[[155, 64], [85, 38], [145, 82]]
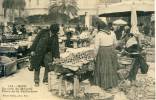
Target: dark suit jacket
[[43, 44]]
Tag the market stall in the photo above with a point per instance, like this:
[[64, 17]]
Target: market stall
[[129, 8], [18, 46], [18, 50], [75, 40], [74, 64], [124, 8], [11, 38], [132, 9]]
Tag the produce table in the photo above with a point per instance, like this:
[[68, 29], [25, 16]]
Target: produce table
[[75, 74], [16, 45], [11, 37], [74, 64], [20, 47], [18, 50]]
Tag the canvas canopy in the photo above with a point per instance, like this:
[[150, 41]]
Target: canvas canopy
[[124, 8], [120, 22], [129, 8]]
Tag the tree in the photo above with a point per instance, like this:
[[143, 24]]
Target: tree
[[13, 5], [67, 7]]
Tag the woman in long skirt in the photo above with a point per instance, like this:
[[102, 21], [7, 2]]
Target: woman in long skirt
[[105, 73]]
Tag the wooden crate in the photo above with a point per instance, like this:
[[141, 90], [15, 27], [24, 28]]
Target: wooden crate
[[10, 68], [56, 84], [53, 82]]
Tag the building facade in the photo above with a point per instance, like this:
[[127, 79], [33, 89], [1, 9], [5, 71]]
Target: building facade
[[91, 7], [86, 7], [36, 7], [1, 11]]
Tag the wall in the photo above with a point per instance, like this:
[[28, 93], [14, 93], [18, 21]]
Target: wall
[[87, 6], [36, 7]]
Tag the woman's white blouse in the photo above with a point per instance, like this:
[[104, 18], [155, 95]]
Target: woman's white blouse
[[131, 41], [103, 39]]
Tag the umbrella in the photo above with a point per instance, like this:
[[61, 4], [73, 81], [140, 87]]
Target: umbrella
[[134, 22], [120, 22]]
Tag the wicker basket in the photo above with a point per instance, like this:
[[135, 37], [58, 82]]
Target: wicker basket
[[124, 62], [123, 73]]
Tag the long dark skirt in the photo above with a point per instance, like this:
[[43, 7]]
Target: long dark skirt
[[105, 73]]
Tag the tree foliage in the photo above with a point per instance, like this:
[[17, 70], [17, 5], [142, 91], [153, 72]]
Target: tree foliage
[[67, 7]]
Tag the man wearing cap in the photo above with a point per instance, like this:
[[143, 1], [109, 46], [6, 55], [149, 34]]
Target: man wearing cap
[[134, 49], [44, 50]]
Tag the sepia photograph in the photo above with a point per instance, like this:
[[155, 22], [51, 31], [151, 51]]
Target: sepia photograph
[[77, 50]]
